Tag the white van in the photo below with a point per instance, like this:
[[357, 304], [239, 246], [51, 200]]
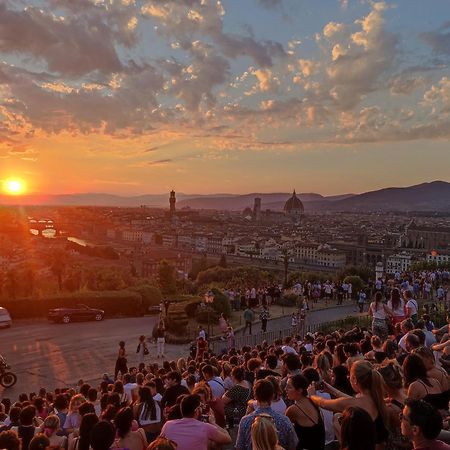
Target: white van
[[5, 318]]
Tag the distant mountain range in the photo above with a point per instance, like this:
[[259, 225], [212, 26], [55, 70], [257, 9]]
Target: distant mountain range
[[434, 196]]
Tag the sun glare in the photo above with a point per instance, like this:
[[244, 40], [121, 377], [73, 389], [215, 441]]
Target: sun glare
[[14, 186]]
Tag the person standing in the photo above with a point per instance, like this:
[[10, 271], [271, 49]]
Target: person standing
[[264, 316], [248, 318], [121, 362], [142, 350], [361, 300], [160, 339]]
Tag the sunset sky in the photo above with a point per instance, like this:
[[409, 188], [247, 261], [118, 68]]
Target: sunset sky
[[202, 96]]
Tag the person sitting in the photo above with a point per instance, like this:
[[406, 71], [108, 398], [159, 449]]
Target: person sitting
[[304, 414], [368, 383], [263, 393], [173, 391], [191, 433], [127, 438], [357, 430], [422, 423], [421, 386], [264, 434]]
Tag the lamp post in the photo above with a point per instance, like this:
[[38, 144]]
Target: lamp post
[[209, 298]]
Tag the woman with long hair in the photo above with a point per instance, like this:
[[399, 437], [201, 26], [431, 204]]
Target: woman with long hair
[[379, 313], [304, 415], [264, 434], [395, 402], [119, 389], [421, 386], [396, 305], [83, 441], [147, 412], [339, 356], [73, 418], [369, 387], [126, 437], [433, 371], [357, 430]]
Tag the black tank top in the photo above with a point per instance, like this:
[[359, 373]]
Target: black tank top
[[313, 437], [439, 401], [26, 433]]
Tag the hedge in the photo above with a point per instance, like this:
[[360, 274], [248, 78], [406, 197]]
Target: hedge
[[123, 302]]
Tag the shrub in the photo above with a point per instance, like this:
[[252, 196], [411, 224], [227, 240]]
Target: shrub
[[202, 316], [221, 303], [151, 295], [357, 283], [191, 307], [288, 300]]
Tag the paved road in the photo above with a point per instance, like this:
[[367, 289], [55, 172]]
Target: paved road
[[55, 355], [313, 317]]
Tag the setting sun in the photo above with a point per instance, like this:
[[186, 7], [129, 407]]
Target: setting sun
[[14, 186]]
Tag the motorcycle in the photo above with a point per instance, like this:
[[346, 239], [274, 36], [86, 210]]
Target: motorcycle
[[7, 379]]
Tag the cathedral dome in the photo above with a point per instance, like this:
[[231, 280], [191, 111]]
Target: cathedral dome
[[293, 205]]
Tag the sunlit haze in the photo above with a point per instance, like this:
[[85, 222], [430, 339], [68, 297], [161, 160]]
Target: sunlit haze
[[134, 97]]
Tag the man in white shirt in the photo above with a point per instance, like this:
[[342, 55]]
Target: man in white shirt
[[287, 347], [129, 388]]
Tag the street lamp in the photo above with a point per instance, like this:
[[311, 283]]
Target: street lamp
[[209, 298]]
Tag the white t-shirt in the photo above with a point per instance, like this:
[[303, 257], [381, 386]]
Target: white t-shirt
[[288, 349], [327, 418], [400, 311], [217, 387], [379, 313], [128, 389], [412, 305]]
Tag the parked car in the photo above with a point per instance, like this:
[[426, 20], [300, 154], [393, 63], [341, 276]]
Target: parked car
[[76, 314], [5, 318], [154, 309]]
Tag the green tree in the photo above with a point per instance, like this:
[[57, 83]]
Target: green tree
[[151, 295], [221, 303], [364, 272], [11, 283], [356, 282], [58, 263], [167, 278]]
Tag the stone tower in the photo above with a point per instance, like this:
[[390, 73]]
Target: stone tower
[[257, 209], [172, 201]]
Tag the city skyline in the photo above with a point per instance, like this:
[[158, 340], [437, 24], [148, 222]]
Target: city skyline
[[137, 97]]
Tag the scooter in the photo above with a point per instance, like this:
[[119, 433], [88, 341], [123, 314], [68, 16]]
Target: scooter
[[7, 379]]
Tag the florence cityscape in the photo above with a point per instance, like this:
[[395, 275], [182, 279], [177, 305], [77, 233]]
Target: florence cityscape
[[224, 225]]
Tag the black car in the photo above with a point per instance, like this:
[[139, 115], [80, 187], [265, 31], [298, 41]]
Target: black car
[[76, 314]]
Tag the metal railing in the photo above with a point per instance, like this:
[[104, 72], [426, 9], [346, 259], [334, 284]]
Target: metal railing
[[251, 340]]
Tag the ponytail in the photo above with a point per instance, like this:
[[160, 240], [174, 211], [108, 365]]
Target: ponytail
[[372, 381], [377, 393]]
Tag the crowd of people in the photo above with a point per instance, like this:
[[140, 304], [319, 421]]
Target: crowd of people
[[360, 389]]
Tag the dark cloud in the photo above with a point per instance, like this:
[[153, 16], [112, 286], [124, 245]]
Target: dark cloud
[[439, 40], [159, 162], [71, 46]]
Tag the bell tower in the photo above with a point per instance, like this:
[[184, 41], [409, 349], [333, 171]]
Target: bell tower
[[172, 201]]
